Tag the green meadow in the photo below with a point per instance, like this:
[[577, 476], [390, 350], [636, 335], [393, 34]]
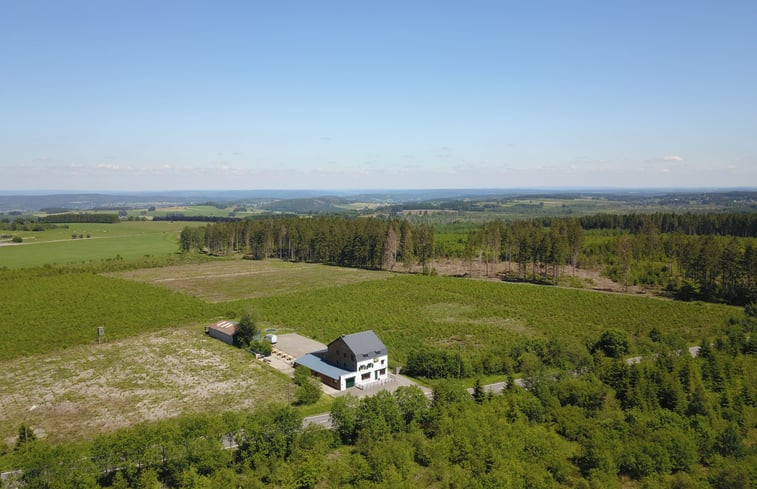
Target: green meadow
[[127, 240], [43, 311]]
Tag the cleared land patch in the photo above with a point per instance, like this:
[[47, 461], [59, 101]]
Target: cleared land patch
[[89, 389], [410, 312], [226, 280]]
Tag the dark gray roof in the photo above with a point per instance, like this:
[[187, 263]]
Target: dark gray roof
[[316, 364], [364, 344]]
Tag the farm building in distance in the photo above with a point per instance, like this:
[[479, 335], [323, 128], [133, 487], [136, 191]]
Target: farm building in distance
[[353, 360], [224, 331]]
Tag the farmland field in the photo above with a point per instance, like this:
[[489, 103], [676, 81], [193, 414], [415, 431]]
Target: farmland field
[[45, 311], [128, 239], [226, 280], [408, 312], [85, 390], [193, 210]]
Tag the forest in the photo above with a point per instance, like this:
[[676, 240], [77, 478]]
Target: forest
[[365, 243], [711, 257], [671, 421]]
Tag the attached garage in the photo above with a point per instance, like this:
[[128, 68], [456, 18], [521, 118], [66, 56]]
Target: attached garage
[[330, 375]]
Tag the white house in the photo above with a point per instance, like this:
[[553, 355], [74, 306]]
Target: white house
[[353, 360]]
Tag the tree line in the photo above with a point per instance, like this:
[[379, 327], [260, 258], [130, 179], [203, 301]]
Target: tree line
[[78, 217], [709, 257], [723, 224], [365, 243], [179, 216]]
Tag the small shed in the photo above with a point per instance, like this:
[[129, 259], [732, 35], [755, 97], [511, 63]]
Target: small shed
[[224, 331]]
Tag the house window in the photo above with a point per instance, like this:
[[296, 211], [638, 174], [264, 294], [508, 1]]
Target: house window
[[353, 357], [383, 361], [382, 371], [365, 376]]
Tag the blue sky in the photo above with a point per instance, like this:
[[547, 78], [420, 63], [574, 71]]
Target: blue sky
[[117, 95]]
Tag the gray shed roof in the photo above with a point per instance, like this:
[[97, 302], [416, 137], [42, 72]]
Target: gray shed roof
[[315, 364], [364, 344]]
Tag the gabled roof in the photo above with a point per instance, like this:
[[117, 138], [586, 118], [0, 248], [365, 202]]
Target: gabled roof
[[364, 344]]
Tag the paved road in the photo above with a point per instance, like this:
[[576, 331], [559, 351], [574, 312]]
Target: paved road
[[498, 387], [323, 419], [693, 351]]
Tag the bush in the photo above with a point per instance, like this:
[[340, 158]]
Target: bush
[[261, 347], [247, 331], [613, 343], [309, 388], [17, 239]]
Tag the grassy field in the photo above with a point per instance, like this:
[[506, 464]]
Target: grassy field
[[47, 311], [408, 312], [128, 239], [81, 391], [243, 279], [194, 210]]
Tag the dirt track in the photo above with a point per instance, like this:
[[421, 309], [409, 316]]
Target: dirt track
[[588, 278]]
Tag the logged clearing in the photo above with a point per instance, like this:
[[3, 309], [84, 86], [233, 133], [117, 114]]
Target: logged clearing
[[227, 280], [82, 391]]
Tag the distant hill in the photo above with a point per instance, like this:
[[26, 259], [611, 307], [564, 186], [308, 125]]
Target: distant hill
[[330, 201], [326, 204]]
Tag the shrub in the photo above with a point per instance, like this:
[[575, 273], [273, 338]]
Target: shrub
[[613, 343]]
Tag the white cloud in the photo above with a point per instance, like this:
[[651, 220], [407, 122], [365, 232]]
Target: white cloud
[[107, 166], [673, 158]]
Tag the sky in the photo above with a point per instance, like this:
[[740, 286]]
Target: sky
[[160, 95]]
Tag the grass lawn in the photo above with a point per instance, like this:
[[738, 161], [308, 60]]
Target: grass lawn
[[79, 392], [225, 280], [409, 312], [128, 239]]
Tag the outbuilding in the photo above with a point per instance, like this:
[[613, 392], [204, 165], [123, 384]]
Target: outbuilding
[[224, 331]]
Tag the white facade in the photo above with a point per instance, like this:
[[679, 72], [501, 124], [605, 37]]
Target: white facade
[[369, 372], [372, 370]]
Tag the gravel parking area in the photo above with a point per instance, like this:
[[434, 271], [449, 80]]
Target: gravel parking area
[[296, 345]]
